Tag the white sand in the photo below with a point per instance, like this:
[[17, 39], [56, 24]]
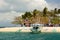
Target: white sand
[[27, 29], [50, 29], [11, 29]]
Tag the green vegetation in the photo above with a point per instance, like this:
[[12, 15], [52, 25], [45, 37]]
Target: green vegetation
[[58, 10], [26, 15], [45, 11], [39, 16]]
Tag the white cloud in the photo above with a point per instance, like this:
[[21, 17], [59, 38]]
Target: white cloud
[[3, 3], [22, 5], [38, 4], [9, 15]]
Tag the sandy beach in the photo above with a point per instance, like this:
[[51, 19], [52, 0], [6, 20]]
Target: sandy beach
[[9, 29], [15, 29], [27, 29]]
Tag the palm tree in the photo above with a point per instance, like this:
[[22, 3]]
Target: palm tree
[[17, 20], [27, 15], [55, 11], [58, 10], [35, 12], [45, 10]]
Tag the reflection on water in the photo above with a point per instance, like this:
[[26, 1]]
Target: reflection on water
[[29, 36]]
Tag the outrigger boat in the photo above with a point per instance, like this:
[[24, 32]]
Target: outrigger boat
[[37, 28]]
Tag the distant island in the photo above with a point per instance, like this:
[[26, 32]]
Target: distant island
[[40, 17]]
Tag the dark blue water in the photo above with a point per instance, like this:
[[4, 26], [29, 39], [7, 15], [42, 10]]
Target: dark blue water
[[29, 36]]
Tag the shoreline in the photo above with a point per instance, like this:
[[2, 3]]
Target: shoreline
[[27, 29]]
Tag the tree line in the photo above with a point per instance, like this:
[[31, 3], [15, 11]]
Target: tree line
[[51, 14]]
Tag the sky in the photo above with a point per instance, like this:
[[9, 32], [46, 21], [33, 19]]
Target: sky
[[12, 8]]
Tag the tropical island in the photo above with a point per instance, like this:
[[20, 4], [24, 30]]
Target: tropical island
[[39, 17]]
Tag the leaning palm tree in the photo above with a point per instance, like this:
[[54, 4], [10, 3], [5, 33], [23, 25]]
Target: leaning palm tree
[[17, 20]]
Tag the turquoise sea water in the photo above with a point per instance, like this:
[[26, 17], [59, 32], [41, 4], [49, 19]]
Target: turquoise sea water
[[29, 36]]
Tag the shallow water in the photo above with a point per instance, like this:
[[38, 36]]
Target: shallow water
[[29, 36]]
